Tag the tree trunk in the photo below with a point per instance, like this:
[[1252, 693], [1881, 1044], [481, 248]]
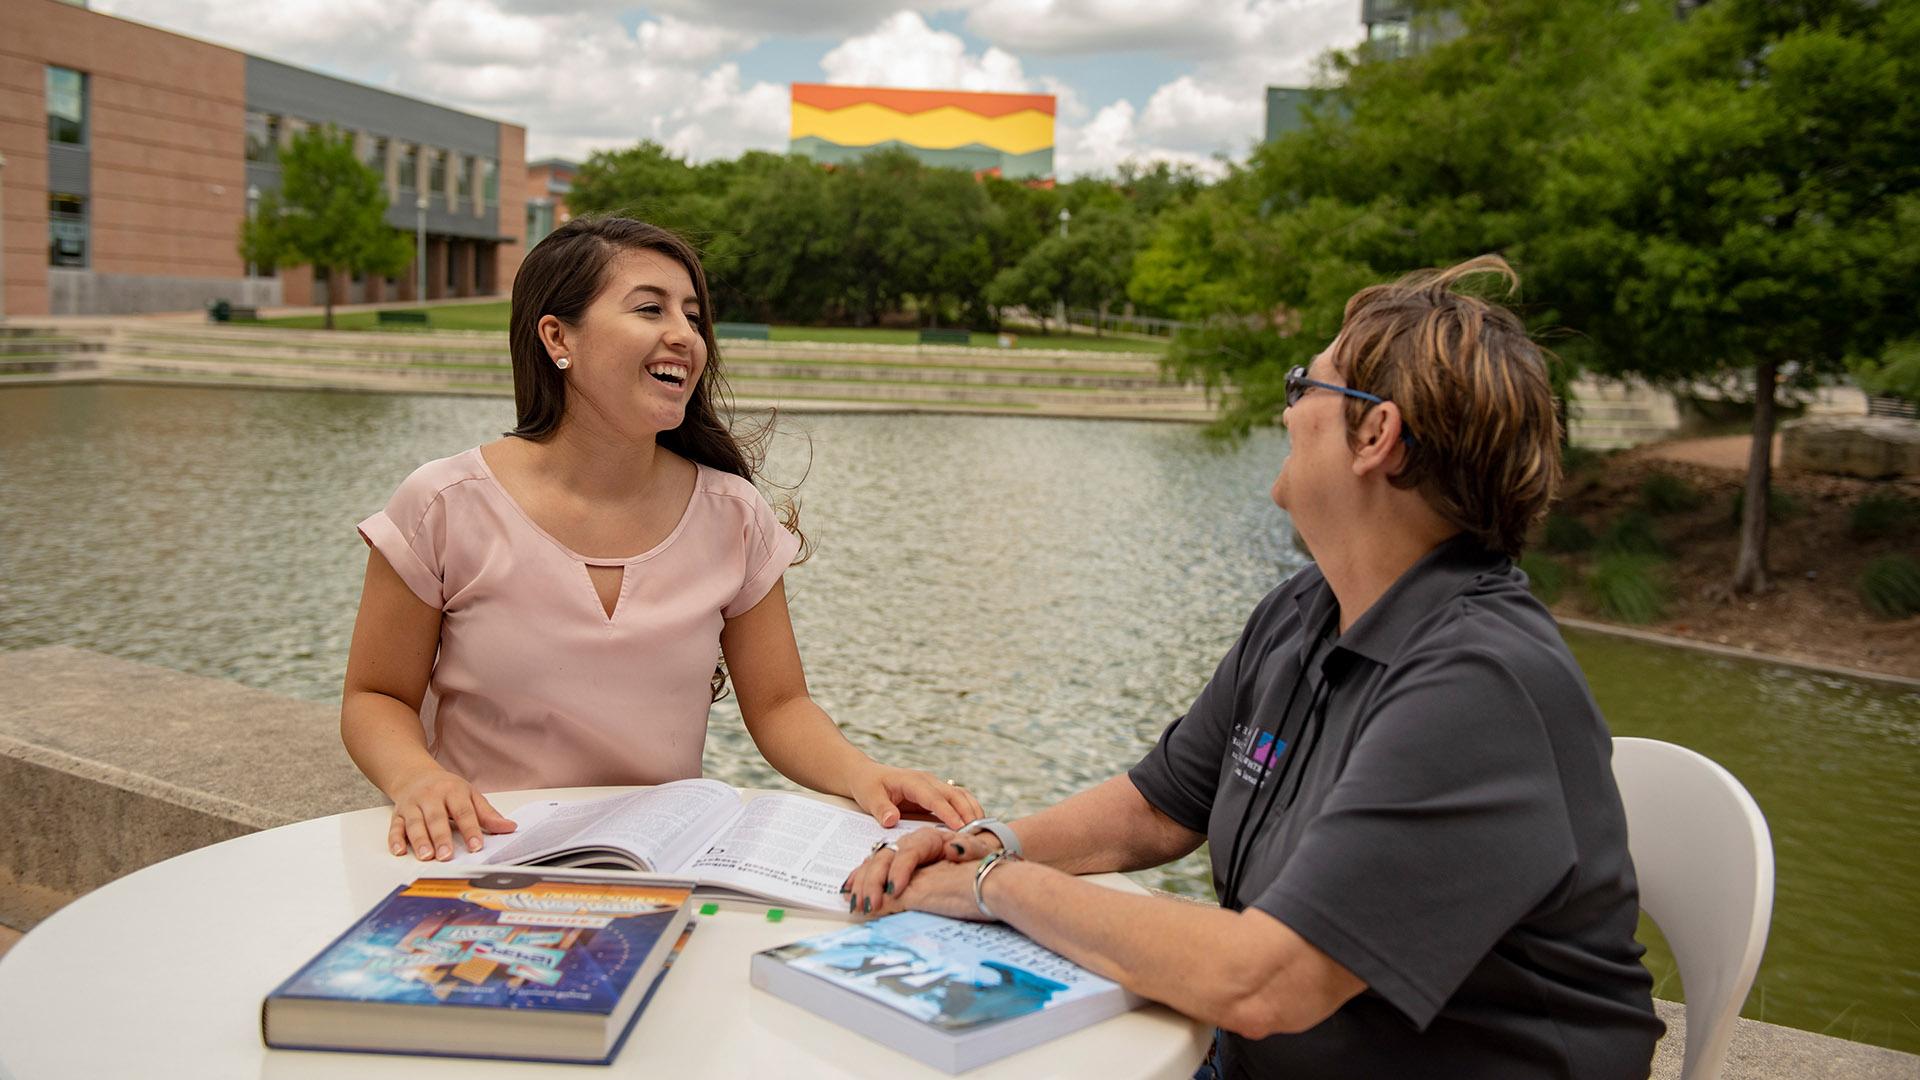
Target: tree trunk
[[325, 278], [1750, 569]]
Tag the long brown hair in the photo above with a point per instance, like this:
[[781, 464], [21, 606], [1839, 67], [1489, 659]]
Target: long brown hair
[[560, 277]]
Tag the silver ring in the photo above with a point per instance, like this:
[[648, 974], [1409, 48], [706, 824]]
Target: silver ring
[[951, 782], [883, 845]]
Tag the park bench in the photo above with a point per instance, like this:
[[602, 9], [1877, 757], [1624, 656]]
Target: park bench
[[932, 336], [753, 331], [401, 318]]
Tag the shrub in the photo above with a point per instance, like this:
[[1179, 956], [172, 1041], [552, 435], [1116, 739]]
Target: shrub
[[1665, 493], [1891, 586], [1577, 459], [1545, 576], [1565, 534], [1780, 505], [1632, 535], [1883, 514], [1627, 587]]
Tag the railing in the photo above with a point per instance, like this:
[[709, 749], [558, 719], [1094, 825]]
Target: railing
[[1138, 324]]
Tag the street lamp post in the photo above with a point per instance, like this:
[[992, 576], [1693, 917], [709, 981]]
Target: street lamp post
[[420, 246], [1060, 304], [253, 209]]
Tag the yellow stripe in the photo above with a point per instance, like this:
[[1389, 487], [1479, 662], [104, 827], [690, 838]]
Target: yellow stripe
[[936, 129]]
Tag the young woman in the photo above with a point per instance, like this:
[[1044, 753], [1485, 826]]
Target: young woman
[[551, 609]]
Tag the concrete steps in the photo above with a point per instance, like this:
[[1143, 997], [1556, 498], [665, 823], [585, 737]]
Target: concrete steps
[[794, 375]]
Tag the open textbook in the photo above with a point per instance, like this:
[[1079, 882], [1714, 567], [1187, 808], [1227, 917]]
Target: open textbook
[[785, 848]]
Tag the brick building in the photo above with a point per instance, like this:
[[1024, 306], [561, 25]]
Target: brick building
[[132, 155]]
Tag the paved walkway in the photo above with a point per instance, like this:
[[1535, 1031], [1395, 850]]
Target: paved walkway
[[1723, 452]]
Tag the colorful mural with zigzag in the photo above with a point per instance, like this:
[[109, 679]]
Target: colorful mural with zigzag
[[1008, 135]]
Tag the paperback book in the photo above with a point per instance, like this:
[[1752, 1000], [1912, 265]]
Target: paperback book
[[522, 966], [952, 994], [787, 849]]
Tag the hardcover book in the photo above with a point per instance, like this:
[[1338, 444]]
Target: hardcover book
[[523, 966], [787, 849], [952, 994]]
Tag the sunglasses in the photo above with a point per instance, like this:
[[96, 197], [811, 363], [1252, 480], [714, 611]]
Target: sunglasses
[[1298, 384]]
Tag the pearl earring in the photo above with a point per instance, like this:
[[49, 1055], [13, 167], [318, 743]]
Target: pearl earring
[[562, 363]]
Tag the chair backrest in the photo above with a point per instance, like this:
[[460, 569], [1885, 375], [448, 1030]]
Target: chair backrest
[[1704, 859]]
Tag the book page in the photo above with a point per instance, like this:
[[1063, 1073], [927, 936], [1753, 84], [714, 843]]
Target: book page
[[792, 849], [658, 827]]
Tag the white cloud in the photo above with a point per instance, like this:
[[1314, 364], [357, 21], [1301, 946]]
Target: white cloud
[[579, 80], [904, 51]]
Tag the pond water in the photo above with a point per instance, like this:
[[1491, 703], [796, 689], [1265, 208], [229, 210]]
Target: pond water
[[1020, 603]]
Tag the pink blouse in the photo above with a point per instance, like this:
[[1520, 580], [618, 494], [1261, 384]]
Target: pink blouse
[[535, 684]]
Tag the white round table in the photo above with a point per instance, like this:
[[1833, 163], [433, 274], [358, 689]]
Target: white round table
[[161, 974]]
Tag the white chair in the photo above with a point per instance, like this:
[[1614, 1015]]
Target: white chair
[[1704, 859]]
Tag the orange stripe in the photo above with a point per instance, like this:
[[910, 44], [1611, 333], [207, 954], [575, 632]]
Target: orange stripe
[[821, 96]]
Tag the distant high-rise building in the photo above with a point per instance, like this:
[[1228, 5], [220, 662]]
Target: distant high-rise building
[[1009, 135], [1393, 26], [1285, 105]]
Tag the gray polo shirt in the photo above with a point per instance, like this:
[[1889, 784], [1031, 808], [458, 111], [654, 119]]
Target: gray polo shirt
[[1443, 822]]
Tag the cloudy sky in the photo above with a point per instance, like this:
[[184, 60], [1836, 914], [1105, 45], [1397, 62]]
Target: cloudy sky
[[1136, 79]]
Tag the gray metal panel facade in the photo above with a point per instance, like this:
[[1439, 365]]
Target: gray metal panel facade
[[308, 95], [68, 169], [402, 215]]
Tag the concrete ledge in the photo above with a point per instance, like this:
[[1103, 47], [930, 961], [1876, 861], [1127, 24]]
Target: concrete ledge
[[1770, 1052], [115, 765]]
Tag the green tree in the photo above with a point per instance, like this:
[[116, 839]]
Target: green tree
[[1403, 163], [329, 212], [1752, 208]]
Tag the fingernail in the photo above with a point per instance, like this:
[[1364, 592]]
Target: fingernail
[[421, 852], [473, 844], [851, 901], [399, 849], [889, 888], [866, 906], [446, 851]]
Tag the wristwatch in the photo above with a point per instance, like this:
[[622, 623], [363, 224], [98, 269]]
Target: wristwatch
[[1009, 843]]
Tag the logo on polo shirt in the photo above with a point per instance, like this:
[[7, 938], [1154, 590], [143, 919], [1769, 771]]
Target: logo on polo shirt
[[1257, 752]]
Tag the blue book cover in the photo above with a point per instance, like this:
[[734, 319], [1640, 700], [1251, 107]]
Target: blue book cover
[[955, 976], [486, 949]]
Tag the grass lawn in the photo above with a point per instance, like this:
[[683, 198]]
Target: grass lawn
[[494, 317]]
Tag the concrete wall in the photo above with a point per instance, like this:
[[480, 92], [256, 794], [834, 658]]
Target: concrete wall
[[84, 292]]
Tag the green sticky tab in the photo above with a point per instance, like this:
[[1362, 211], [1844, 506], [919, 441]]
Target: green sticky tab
[[709, 909], [775, 914]]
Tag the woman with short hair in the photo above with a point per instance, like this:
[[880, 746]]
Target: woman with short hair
[[1418, 846]]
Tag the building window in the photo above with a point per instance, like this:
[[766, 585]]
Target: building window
[[410, 167], [489, 182], [66, 229], [66, 106], [437, 173], [263, 137], [378, 149], [539, 220], [463, 179]]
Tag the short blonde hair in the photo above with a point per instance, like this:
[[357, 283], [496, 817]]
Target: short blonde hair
[[1473, 391]]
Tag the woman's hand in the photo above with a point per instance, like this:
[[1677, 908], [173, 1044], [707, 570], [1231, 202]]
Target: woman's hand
[[886, 793], [883, 878], [429, 805]]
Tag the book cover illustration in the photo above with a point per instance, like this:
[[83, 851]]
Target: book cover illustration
[[528, 943], [954, 975]]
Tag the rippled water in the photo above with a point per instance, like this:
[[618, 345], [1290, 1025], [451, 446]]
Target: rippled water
[[1019, 603]]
